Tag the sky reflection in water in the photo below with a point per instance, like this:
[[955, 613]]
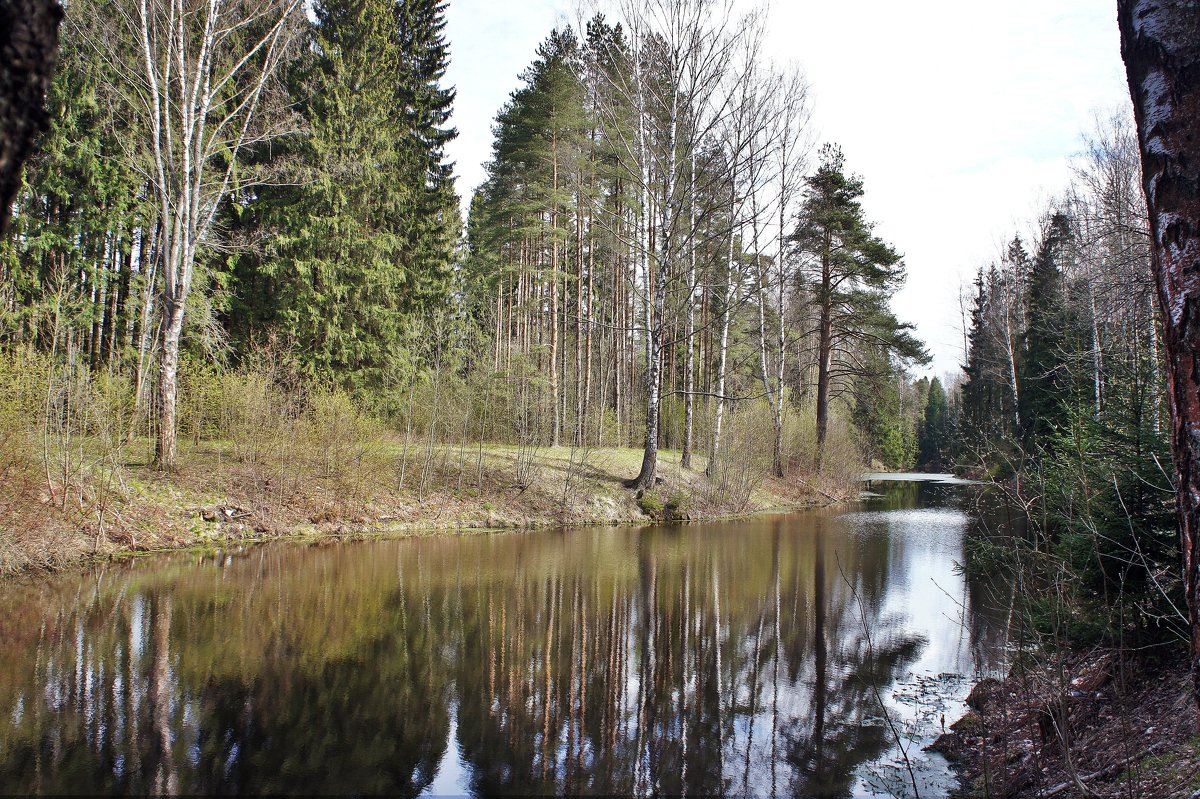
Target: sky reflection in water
[[748, 657]]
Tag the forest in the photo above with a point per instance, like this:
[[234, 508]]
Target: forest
[[661, 256], [239, 295], [253, 245]]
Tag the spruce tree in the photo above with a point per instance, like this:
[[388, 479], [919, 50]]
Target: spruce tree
[[978, 406], [29, 43], [65, 269], [364, 236], [881, 410], [934, 441], [432, 219], [1045, 380]]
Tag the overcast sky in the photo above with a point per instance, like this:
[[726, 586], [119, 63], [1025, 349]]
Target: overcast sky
[[961, 117]]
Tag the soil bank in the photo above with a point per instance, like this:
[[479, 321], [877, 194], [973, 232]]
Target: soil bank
[[1081, 723]]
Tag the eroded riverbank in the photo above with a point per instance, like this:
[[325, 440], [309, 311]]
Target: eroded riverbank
[[1094, 722]]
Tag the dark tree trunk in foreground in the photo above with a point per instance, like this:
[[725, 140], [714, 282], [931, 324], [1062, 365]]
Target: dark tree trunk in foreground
[[824, 357], [1160, 42], [28, 53]]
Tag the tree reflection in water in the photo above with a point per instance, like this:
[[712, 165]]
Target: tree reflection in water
[[705, 659]]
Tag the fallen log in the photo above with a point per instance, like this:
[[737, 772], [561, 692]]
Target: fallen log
[[1108, 772]]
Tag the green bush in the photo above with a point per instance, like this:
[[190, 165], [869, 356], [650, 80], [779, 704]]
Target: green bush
[[341, 438], [652, 505]]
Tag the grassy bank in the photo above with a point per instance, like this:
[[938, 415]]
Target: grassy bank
[[265, 453], [382, 485]]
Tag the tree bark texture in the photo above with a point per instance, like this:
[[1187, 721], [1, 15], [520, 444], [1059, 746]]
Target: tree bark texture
[[166, 444], [824, 356], [1160, 42], [28, 54]]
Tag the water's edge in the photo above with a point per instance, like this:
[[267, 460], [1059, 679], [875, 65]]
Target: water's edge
[[837, 614]]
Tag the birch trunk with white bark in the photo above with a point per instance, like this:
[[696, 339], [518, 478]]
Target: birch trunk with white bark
[[201, 77], [1160, 42]]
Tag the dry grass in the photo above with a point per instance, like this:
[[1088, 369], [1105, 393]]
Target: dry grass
[[263, 455], [217, 495]]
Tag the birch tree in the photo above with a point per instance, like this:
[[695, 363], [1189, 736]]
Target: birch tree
[[679, 49], [784, 155], [200, 74], [736, 137], [1160, 42]]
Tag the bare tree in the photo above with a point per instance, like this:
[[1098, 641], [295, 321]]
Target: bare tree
[[28, 54], [1160, 42], [1109, 206], [199, 71], [679, 50], [736, 137], [689, 333], [785, 152]]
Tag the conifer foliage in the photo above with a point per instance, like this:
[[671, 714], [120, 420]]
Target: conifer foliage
[[1064, 403], [642, 267], [852, 273], [364, 236], [934, 440], [326, 219], [1044, 375], [644, 240]]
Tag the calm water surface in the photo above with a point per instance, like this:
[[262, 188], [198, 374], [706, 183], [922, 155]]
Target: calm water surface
[[778, 656]]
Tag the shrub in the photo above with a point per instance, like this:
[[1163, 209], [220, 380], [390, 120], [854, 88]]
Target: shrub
[[340, 436], [843, 459], [22, 394], [201, 400], [678, 506], [652, 505], [256, 416], [746, 456]]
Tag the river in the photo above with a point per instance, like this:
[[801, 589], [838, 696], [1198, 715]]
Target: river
[[810, 654]]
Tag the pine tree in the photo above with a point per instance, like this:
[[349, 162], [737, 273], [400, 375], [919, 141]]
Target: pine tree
[[528, 212], [851, 274]]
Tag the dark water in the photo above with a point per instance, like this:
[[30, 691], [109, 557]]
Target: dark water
[[767, 657]]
